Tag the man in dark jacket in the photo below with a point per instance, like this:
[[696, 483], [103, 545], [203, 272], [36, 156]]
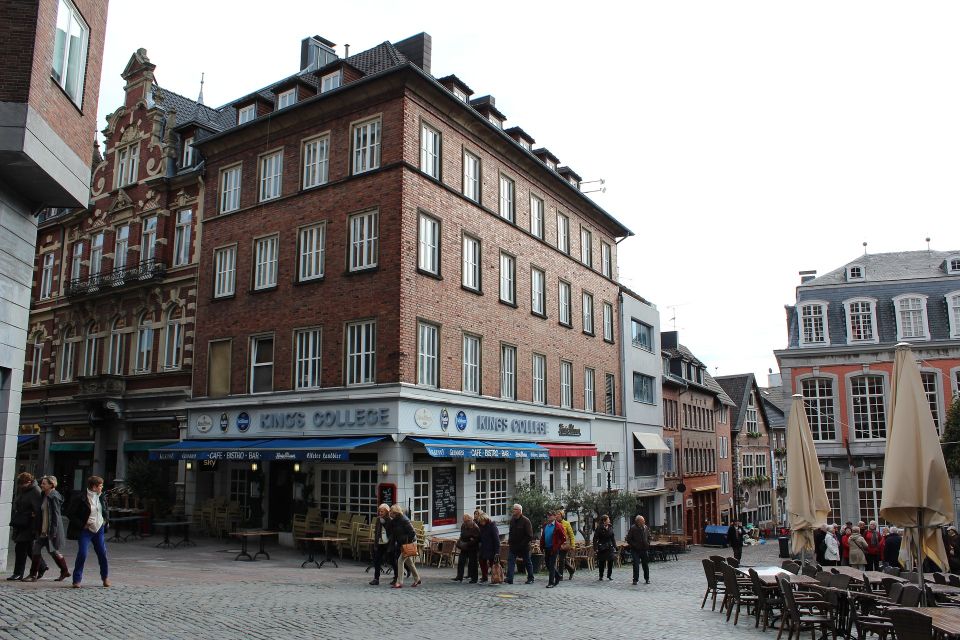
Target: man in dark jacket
[[820, 544], [521, 535], [735, 539], [23, 520], [639, 540], [469, 545], [891, 548], [552, 539]]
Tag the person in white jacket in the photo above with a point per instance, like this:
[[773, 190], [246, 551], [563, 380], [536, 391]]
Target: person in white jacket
[[832, 554]]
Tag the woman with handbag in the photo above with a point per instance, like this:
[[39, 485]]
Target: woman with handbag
[[605, 545], [50, 533], [404, 540], [23, 520], [489, 543]]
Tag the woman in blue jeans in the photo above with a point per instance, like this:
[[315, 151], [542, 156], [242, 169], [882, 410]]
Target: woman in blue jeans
[[88, 523]]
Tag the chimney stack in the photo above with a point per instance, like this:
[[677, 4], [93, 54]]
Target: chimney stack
[[807, 276]]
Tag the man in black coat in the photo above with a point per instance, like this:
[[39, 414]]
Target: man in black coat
[[469, 545], [24, 520], [891, 547], [735, 539], [639, 540], [820, 544], [521, 535]]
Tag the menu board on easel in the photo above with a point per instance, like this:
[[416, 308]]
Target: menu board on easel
[[444, 496]]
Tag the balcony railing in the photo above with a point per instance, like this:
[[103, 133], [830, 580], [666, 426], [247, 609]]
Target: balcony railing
[[124, 276]]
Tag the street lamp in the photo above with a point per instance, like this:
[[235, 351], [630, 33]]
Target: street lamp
[[608, 467]]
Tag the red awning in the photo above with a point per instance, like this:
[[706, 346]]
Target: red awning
[[585, 450]]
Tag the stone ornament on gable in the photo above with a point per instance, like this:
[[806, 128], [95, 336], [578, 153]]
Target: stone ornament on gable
[[122, 201], [151, 201]]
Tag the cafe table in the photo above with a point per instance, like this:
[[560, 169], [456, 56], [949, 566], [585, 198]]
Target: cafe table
[[879, 576], [167, 543], [117, 524], [946, 620], [310, 541], [244, 536]]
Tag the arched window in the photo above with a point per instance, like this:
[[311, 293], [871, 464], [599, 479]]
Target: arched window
[[67, 354], [144, 344], [118, 343], [91, 350], [173, 341], [36, 361]]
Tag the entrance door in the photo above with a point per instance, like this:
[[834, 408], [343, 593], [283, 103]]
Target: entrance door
[[280, 496]]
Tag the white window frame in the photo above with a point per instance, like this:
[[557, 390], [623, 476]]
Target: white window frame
[[224, 271], [316, 161], [287, 99], [364, 240], [330, 82], [898, 301], [470, 264], [637, 332], [246, 114], [825, 326], [508, 278], [76, 261], [271, 175], [428, 244], [128, 165], [508, 372], [587, 308], [606, 259], [69, 68], [91, 350], [366, 145], [538, 292], [308, 358], [121, 244], [67, 356], [608, 322], [539, 379], [930, 381], [230, 188], [173, 339], [361, 353], [536, 216], [254, 365], [148, 239], [96, 254], [181, 238], [875, 403], [566, 384], [856, 276], [430, 150], [819, 404], [492, 491], [144, 351], [586, 247], [508, 199], [118, 339], [428, 354], [471, 176], [46, 276], [589, 389], [36, 361], [472, 362], [953, 312], [186, 159], [871, 317], [642, 385], [311, 251], [564, 297], [563, 233], [266, 258]]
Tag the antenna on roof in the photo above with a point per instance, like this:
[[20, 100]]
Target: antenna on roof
[[200, 97], [928, 244], [864, 248]]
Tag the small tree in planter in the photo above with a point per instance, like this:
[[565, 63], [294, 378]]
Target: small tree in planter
[[536, 502]]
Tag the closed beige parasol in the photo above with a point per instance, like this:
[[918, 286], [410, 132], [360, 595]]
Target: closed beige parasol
[[807, 504]]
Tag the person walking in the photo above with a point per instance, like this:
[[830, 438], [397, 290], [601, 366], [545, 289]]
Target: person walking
[[23, 521], [50, 533], [568, 550], [88, 523], [820, 543], [605, 545], [489, 543], [552, 539], [638, 538], [858, 550], [519, 539], [831, 556], [872, 536], [469, 546], [735, 534], [381, 542], [891, 548], [401, 533]]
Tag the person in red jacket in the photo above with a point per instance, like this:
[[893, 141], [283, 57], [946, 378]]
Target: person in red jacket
[[872, 536], [552, 539], [845, 547]]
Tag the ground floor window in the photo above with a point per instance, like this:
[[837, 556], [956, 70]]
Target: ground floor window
[[363, 492], [240, 490], [492, 491], [421, 495], [350, 490], [674, 518]]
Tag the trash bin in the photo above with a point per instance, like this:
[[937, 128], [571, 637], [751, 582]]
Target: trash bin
[[716, 535], [784, 546]]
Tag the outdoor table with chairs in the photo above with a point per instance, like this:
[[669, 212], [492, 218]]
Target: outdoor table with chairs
[[244, 536], [310, 542], [166, 543]]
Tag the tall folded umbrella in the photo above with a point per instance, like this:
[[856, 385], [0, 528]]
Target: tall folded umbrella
[[916, 486], [807, 504]]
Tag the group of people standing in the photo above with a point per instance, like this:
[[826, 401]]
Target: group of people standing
[[867, 547], [392, 532], [37, 523]]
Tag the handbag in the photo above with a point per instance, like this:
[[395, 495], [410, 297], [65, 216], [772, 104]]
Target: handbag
[[566, 546], [496, 571], [409, 550]]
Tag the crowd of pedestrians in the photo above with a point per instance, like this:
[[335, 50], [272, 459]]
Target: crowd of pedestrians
[[37, 523], [867, 547]]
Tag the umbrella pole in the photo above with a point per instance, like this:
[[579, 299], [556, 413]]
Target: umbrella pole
[[923, 591]]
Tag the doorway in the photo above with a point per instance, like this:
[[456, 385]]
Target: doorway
[[280, 496]]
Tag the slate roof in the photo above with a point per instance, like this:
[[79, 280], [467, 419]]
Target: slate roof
[[773, 405], [712, 384], [192, 112], [379, 58], [883, 267], [739, 387]]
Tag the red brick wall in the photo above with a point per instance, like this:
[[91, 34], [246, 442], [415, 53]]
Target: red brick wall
[[19, 31]]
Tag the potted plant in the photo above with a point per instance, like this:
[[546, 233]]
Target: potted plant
[[145, 481]]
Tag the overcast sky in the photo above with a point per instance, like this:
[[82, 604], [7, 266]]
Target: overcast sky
[[741, 142]]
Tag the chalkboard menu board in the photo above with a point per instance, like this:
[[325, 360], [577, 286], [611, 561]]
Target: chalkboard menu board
[[386, 493], [444, 496]]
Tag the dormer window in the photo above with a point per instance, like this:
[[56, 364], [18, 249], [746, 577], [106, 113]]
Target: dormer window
[[286, 99], [495, 120], [187, 160], [813, 324], [460, 95], [912, 317], [551, 164], [861, 320], [526, 145], [330, 82], [247, 113], [854, 273], [953, 264]]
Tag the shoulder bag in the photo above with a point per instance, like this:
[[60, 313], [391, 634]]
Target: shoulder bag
[[409, 550]]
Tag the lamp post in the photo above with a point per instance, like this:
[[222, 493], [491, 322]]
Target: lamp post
[[608, 467]]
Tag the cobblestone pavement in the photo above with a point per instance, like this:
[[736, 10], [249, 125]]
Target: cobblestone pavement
[[201, 592]]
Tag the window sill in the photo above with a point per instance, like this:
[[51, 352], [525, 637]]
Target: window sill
[[589, 333], [263, 289], [73, 102], [476, 292], [642, 346], [508, 304], [362, 270], [314, 187], [565, 324], [429, 274], [226, 297], [608, 340], [270, 199], [538, 314]]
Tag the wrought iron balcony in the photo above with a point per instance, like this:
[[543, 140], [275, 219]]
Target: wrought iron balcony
[[145, 271], [102, 386]]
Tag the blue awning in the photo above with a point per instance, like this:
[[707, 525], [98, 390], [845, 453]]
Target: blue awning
[[455, 448], [26, 438], [316, 449]]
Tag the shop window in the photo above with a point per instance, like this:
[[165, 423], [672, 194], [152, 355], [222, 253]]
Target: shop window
[[492, 494], [421, 495]]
